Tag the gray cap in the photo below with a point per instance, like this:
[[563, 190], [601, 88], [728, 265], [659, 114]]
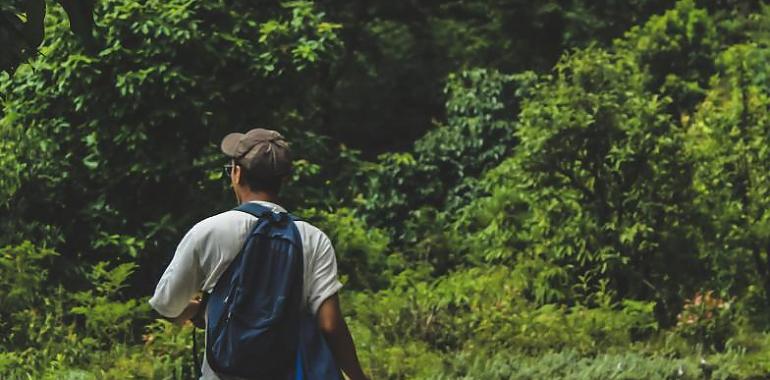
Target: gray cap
[[262, 151]]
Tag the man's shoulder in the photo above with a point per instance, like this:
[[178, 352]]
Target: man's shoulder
[[224, 221], [311, 235], [308, 228]]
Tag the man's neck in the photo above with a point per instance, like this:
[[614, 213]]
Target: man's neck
[[259, 196]]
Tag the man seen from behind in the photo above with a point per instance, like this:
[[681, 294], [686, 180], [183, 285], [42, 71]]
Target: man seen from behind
[[260, 161]]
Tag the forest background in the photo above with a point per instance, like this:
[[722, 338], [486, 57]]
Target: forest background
[[515, 189]]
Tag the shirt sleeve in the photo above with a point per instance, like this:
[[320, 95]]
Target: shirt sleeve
[[182, 278], [324, 282]]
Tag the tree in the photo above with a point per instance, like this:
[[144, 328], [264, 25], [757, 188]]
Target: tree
[[114, 149], [677, 49], [597, 189], [385, 91], [20, 37], [728, 138], [478, 134]]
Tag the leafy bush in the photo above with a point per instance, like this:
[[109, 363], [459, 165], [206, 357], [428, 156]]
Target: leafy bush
[[362, 252], [92, 130], [598, 187], [31, 311], [479, 133], [726, 136], [677, 49], [107, 318], [571, 365], [706, 319], [468, 310]]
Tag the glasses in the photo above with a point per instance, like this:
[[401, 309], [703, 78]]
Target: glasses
[[228, 169]]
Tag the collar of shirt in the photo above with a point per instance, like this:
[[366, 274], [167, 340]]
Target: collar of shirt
[[270, 205]]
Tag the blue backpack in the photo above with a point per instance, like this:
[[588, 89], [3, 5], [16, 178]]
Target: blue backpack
[[256, 328]]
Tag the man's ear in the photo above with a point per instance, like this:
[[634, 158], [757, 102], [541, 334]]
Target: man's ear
[[236, 175]]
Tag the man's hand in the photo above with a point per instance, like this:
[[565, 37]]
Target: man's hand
[[334, 328], [188, 312]]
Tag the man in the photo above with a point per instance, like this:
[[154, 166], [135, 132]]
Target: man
[[260, 162]]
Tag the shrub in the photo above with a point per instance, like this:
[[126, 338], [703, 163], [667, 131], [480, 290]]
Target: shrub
[[706, 319]]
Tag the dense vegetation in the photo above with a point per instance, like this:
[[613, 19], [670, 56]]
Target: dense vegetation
[[515, 189]]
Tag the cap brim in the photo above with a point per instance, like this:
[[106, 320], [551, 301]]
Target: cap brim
[[230, 144]]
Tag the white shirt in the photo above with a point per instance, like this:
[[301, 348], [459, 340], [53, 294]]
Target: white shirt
[[208, 248]]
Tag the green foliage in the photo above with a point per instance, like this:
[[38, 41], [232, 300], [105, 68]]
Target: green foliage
[[561, 224], [571, 365], [677, 49], [362, 252], [22, 28], [468, 310], [21, 31], [10, 169], [108, 319], [95, 132], [597, 188], [706, 319], [23, 273], [53, 332], [34, 314], [479, 133], [727, 136], [385, 90]]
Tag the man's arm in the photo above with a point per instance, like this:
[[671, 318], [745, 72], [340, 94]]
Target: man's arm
[[336, 332], [181, 281], [188, 313]]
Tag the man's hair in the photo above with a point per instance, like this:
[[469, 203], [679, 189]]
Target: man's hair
[[257, 182]]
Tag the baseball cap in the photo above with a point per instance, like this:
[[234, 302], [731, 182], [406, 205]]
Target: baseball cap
[[261, 151]]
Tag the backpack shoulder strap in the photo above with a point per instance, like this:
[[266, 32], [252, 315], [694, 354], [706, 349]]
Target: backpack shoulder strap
[[255, 209], [260, 211]]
